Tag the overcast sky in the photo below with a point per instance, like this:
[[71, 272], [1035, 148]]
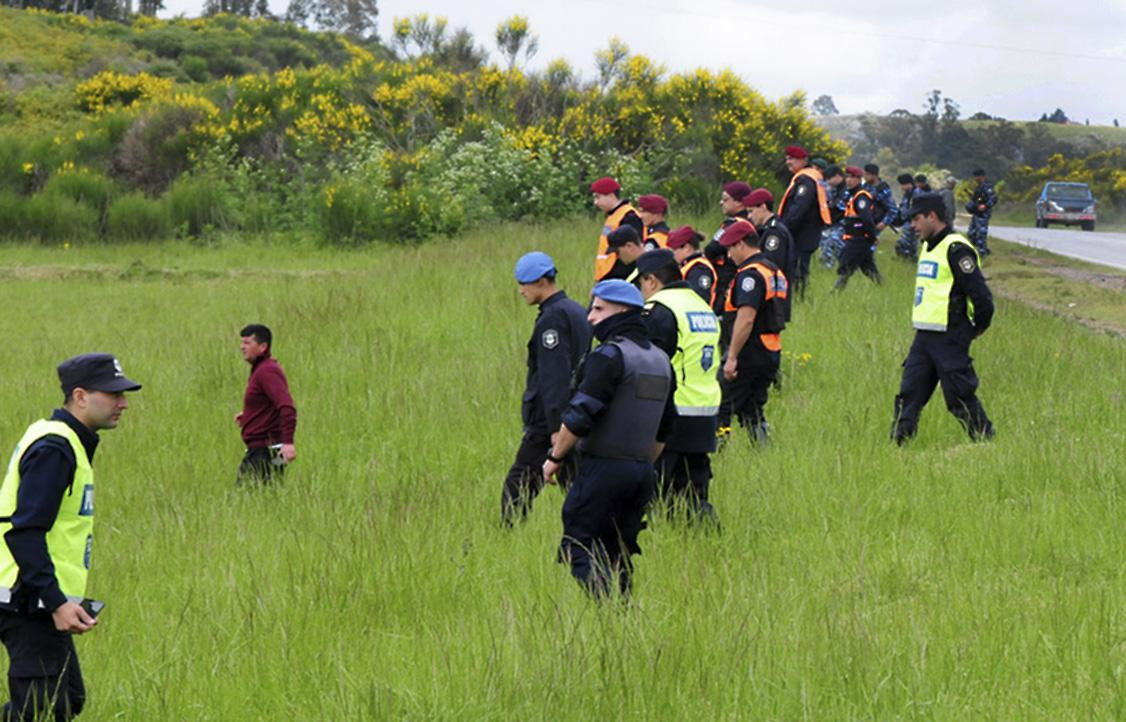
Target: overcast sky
[[1007, 58]]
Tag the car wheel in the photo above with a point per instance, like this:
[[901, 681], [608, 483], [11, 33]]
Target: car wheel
[[1088, 225]]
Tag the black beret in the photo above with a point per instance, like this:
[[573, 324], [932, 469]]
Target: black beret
[[653, 261], [622, 235], [905, 178], [979, 171], [927, 203], [832, 171], [872, 168]]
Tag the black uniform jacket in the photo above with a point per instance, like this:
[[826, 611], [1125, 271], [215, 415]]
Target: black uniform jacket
[[560, 338]]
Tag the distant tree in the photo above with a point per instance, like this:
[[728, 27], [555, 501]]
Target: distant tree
[[514, 39], [824, 105], [1057, 116], [150, 7], [979, 115], [460, 53], [354, 18], [933, 103], [609, 61], [418, 36], [900, 113], [299, 12], [950, 110]]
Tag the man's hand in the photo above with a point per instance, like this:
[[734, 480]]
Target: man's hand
[[731, 368], [881, 226], [288, 452], [238, 418], [550, 469], [69, 617]]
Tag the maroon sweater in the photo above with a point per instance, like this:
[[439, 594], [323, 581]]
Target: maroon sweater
[[268, 415]]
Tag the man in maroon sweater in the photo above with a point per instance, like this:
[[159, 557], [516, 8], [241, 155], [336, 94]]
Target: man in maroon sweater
[[268, 419]]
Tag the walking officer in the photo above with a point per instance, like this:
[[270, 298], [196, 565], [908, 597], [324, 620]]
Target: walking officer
[[47, 519], [731, 203], [832, 238], [560, 337], [953, 306], [884, 210], [618, 212], [756, 314], [804, 209], [618, 419], [653, 210], [777, 243], [683, 326], [980, 206], [624, 243], [859, 232], [697, 270], [907, 245]]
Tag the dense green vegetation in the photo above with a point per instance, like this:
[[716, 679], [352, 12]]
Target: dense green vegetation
[[851, 580]]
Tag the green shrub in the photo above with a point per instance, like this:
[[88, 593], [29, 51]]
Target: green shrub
[[82, 186], [11, 215], [348, 215], [195, 68], [55, 218], [136, 217], [199, 204]]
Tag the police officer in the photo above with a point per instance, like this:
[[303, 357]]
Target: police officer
[[624, 243], [832, 238], [953, 306], [607, 198], [884, 209], [947, 194], [731, 203], [683, 326], [697, 270], [922, 185], [47, 519], [618, 419], [980, 207], [907, 245], [777, 243], [756, 312], [804, 209], [653, 210], [560, 337], [859, 232]]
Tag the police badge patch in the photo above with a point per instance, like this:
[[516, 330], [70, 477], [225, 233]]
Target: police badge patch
[[748, 284], [771, 243], [966, 264], [705, 282], [550, 338], [801, 190]]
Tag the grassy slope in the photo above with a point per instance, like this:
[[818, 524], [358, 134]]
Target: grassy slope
[[853, 580]]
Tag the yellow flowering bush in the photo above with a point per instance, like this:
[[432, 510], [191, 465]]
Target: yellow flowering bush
[[109, 88]]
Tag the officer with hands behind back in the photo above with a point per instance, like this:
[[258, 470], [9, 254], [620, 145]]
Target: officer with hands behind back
[[47, 520], [953, 306], [560, 337], [618, 419]]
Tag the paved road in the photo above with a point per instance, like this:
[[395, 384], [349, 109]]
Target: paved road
[[1109, 249]]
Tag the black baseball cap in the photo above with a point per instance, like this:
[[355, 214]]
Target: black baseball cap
[[95, 372], [927, 203], [622, 235], [652, 261]]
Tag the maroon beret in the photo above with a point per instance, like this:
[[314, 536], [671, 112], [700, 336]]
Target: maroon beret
[[605, 186], [737, 190], [737, 231], [653, 203], [854, 171], [796, 151], [757, 197], [682, 237]]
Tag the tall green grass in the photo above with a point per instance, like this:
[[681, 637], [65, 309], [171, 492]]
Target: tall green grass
[[851, 580]]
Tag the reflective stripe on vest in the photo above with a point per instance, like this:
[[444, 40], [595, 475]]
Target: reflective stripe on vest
[[822, 201], [698, 261], [627, 427], [934, 280], [776, 287], [604, 261], [70, 538], [697, 338]]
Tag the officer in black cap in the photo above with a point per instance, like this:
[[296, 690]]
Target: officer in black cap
[[625, 242], [952, 307], [47, 521], [560, 338]]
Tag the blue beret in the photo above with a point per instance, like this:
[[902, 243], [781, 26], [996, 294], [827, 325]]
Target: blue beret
[[618, 291], [533, 266]]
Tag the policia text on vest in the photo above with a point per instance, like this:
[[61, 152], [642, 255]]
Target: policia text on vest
[[47, 523]]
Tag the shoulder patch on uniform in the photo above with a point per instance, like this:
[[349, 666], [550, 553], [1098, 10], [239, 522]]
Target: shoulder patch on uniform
[[801, 190], [771, 243], [705, 281], [550, 338], [967, 264], [748, 283], [861, 203]]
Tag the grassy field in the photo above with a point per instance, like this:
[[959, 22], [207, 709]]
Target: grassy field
[[852, 579]]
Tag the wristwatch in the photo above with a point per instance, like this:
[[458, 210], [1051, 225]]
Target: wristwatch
[[552, 458]]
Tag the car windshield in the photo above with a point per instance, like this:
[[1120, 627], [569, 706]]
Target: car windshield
[[1071, 193]]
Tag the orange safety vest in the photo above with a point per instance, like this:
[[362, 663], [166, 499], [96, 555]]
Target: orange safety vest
[[822, 201], [777, 288], [708, 264], [604, 261], [850, 211], [661, 238]]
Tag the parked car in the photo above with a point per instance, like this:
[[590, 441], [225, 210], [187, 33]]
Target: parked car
[[1067, 203]]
